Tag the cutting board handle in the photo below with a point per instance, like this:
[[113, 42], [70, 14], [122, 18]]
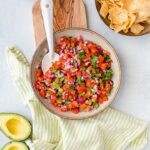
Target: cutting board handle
[[67, 14]]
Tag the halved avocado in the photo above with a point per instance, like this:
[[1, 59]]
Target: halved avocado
[[15, 146], [15, 126]]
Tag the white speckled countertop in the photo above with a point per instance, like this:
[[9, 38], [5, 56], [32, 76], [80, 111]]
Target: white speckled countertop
[[134, 53]]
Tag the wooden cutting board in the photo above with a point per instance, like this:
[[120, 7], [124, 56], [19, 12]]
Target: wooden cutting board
[[67, 14]]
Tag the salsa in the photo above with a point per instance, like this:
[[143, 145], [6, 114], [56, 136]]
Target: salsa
[[80, 80]]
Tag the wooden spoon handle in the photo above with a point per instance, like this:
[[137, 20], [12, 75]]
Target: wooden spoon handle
[[67, 14]]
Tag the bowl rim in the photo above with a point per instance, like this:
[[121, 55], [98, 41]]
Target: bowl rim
[[121, 32], [110, 101]]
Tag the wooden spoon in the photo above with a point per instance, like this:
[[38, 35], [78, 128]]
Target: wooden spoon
[[107, 22]]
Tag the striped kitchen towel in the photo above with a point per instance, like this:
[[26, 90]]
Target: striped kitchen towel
[[110, 130]]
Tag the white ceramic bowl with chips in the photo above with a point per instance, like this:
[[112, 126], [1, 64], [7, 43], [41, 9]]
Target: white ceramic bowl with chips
[[87, 35]]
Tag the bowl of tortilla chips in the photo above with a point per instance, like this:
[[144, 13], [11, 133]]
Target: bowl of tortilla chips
[[128, 17]]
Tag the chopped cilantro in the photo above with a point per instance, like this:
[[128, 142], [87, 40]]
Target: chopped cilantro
[[93, 70], [94, 76], [59, 101], [94, 60], [101, 84], [89, 102], [81, 94], [83, 68], [74, 61], [67, 102], [60, 91], [54, 70], [108, 59], [78, 80], [107, 93], [107, 75], [71, 87], [84, 110], [62, 79], [81, 55], [96, 105], [56, 85]]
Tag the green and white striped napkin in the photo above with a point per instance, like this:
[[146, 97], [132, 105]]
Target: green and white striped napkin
[[110, 130]]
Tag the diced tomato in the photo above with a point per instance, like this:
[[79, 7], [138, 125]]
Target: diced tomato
[[107, 87], [100, 100], [89, 68], [101, 59], [56, 65], [67, 41], [88, 92], [83, 106], [88, 55], [75, 104], [57, 80], [88, 82], [78, 73], [103, 66], [39, 72], [70, 106], [85, 60], [65, 87], [66, 56], [40, 78], [90, 45], [81, 44], [103, 93], [52, 93], [42, 93], [94, 50], [105, 98], [48, 80], [55, 104], [54, 97], [70, 80], [80, 88], [63, 108], [84, 73], [75, 110], [53, 101], [38, 86], [88, 108], [73, 43]]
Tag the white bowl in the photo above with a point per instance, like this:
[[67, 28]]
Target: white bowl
[[87, 35]]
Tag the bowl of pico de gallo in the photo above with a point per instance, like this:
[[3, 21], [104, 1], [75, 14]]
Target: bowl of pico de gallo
[[84, 81]]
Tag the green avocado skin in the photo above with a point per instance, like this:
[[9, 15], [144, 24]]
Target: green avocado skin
[[15, 143], [15, 114]]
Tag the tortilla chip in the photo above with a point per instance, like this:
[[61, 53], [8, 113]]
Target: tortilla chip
[[100, 1], [132, 19], [104, 9], [118, 28], [132, 6], [119, 3], [137, 28], [118, 15], [148, 21], [139, 7]]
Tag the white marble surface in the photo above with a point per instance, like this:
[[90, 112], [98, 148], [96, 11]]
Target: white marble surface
[[134, 53]]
